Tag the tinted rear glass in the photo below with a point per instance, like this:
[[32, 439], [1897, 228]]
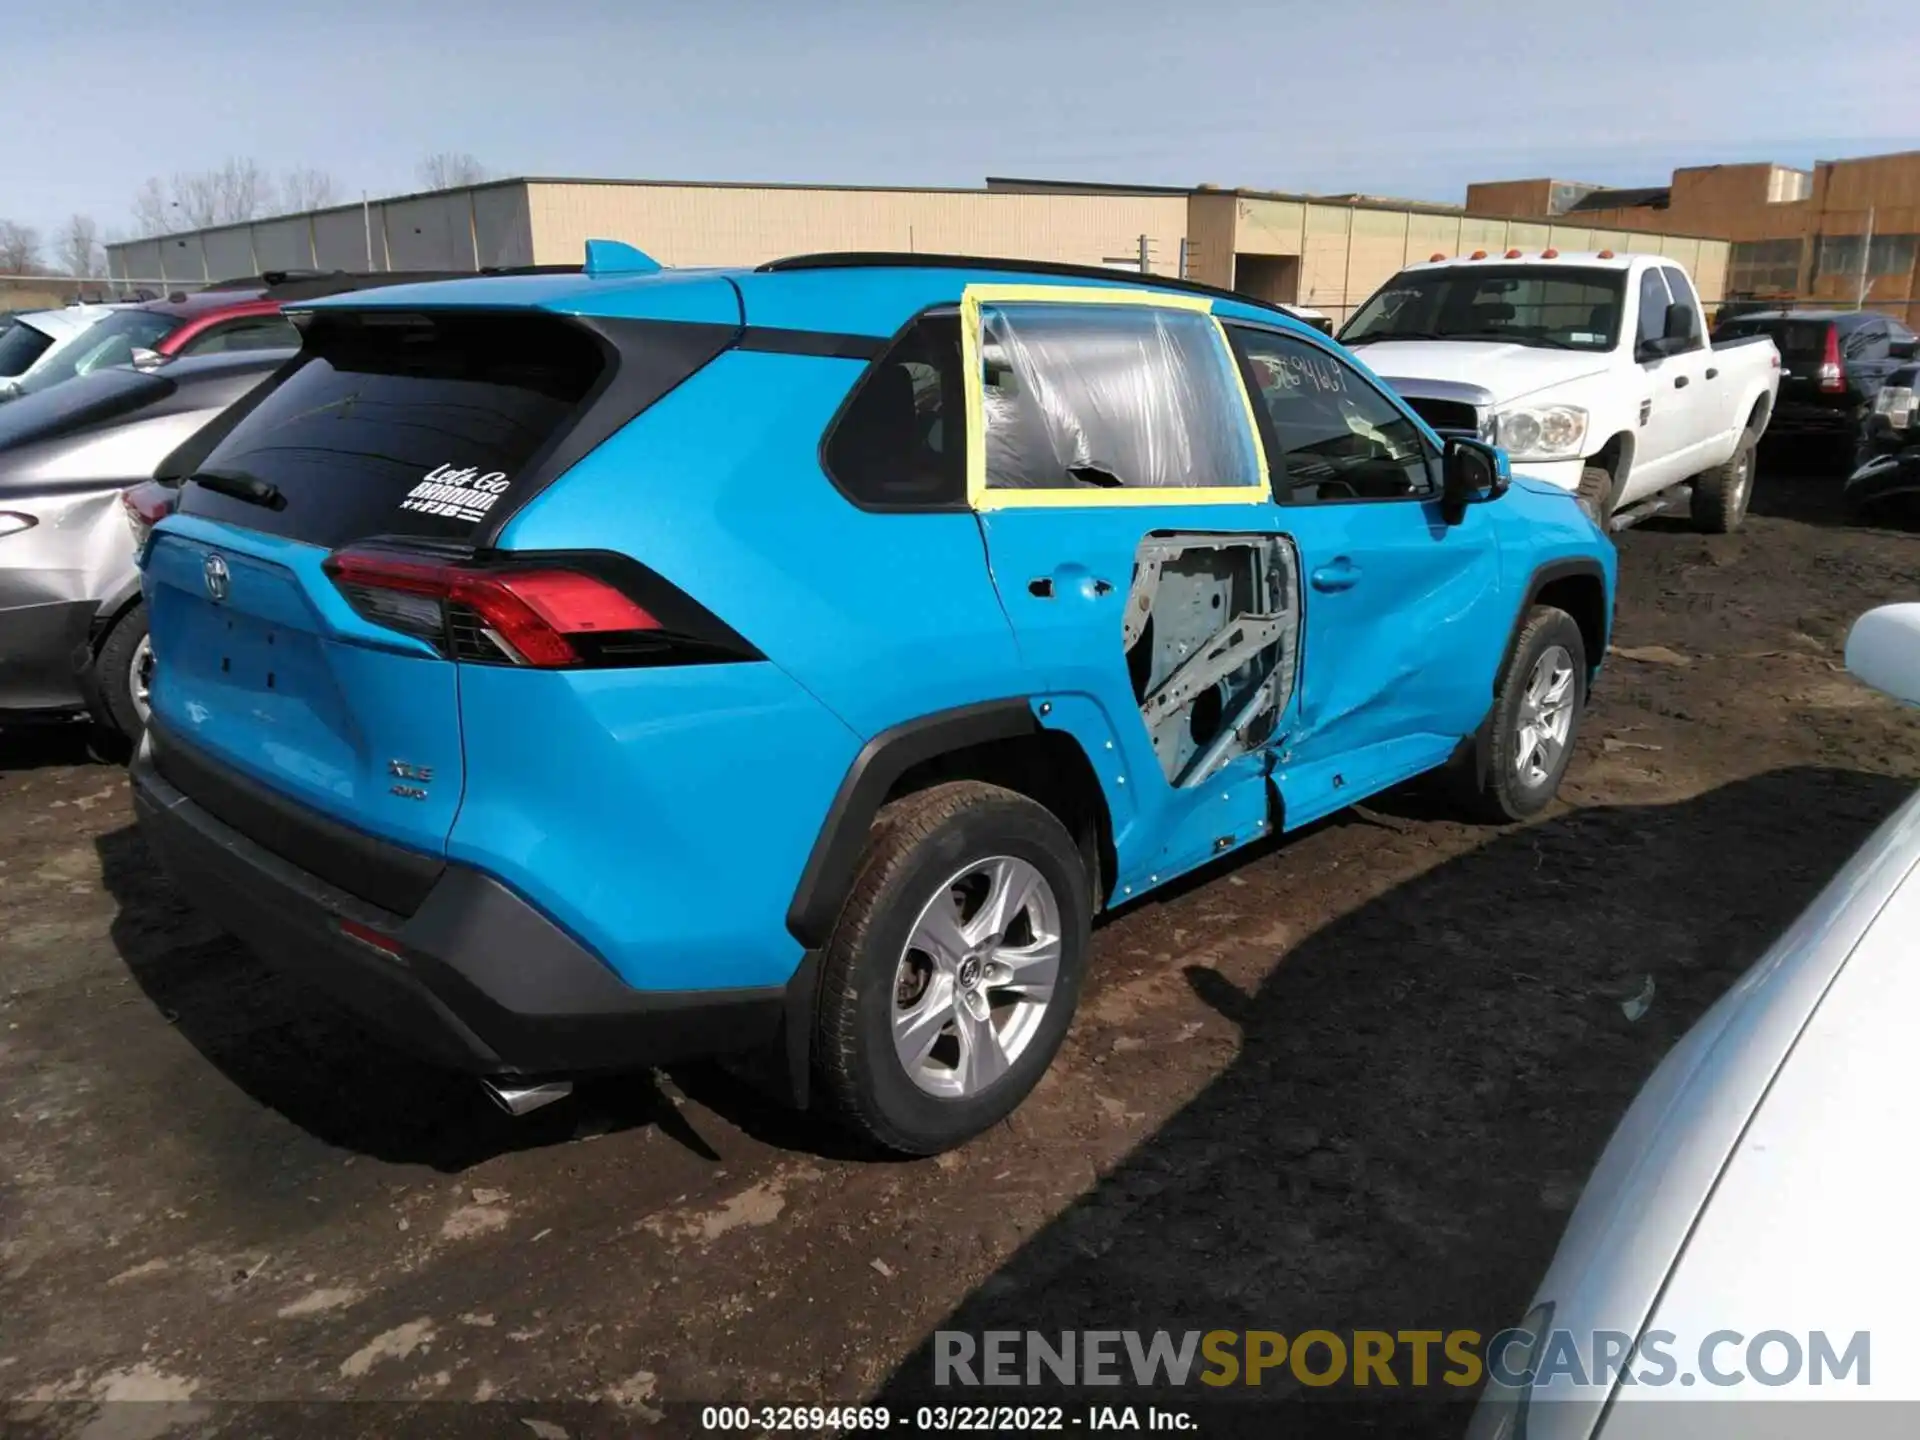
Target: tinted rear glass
[[404, 424], [1790, 337]]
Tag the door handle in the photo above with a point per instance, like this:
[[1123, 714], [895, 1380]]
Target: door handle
[[1679, 382], [1712, 373], [1342, 574]]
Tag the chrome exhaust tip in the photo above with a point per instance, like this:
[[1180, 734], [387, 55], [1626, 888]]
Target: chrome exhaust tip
[[518, 1099]]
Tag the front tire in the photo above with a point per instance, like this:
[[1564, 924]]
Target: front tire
[[953, 972], [1595, 494], [1534, 721], [1720, 495], [116, 685]]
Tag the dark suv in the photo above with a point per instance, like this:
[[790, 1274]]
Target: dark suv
[[1832, 365]]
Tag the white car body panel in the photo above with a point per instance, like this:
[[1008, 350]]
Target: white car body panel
[[60, 326], [1761, 1180]]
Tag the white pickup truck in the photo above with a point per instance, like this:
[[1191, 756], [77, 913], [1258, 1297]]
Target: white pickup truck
[[1593, 371]]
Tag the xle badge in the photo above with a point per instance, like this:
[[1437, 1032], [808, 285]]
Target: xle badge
[[401, 770]]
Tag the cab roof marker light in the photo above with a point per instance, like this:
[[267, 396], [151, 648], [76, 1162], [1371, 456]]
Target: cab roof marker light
[[1478, 255], [1436, 257], [616, 257], [1606, 254], [1513, 254], [1549, 254]]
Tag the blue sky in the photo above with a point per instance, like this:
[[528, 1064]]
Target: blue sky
[[1411, 99]]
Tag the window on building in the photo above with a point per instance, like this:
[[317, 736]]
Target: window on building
[[1884, 255], [1091, 396], [901, 443], [1338, 437], [1764, 267]]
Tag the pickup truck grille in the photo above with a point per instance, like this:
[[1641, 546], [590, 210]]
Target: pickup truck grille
[[1443, 415]]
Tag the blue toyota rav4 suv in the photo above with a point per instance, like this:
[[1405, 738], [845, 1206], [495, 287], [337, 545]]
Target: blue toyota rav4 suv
[[594, 670]]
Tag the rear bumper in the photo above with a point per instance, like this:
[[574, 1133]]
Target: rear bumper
[[1799, 417], [476, 979]]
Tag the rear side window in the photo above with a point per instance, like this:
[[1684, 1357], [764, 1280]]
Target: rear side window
[[900, 444], [1102, 397], [404, 424], [1868, 341], [258, 332], [1653, 306]]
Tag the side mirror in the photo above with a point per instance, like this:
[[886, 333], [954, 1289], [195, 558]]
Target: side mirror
[[1902, 349], [1472, 471], [144, 359], [1680, 327], [1883, 650]]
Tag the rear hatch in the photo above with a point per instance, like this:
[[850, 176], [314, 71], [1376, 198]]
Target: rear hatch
[[1804, 346], [320, 675]]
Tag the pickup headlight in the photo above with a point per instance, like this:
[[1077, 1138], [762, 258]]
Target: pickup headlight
[[1541, 432], [1896, 403]]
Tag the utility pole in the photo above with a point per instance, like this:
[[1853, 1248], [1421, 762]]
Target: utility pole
[[1866, 249]]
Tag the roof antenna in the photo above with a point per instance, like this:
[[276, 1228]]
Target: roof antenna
[[616, 257]]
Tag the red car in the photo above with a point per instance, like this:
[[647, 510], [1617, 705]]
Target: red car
[[232, 315]]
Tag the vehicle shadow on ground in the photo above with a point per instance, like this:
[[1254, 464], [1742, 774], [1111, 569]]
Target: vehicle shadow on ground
[[290, 1049], [35, 745], [1422, 1088]]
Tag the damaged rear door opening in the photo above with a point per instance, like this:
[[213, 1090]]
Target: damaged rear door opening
[[1211, 632]]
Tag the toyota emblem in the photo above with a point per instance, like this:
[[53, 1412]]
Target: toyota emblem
[[215, 573]]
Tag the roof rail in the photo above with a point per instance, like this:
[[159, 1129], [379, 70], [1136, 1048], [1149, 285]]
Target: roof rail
[[902, 259]]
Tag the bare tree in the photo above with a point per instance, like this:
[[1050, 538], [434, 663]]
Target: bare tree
[[19, 249], [239, 190], [307, 189], [451, 169], [77, 247], [150, 209]]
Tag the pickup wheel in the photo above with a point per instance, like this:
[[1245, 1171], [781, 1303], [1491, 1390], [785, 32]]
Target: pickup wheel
[[954, 969], [1595, 494], [1535, 718], [1720, 495]]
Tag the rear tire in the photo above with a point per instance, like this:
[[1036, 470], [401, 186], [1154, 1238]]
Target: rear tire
[[1595, 494], [116, 683], [1720, 495], [916, 1048], [1533, 724]]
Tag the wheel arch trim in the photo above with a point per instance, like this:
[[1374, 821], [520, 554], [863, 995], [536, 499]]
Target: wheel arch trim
[[828, 873]]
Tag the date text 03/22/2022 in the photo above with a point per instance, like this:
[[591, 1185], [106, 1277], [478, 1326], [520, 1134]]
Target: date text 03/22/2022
[[941, 1419]]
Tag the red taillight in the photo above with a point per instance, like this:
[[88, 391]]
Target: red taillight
[[146, 505], [533, 615], [1833, 375], [367, 935]]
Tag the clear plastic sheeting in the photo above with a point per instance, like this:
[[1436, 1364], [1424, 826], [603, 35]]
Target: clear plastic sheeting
[[1110, 396]]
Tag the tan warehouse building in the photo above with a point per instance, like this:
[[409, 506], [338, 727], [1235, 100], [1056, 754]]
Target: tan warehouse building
[[1846, 232], [1328, 253]]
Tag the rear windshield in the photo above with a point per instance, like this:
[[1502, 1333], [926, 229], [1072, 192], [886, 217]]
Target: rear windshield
[[403, 424], [20, 346], [1790, 337]]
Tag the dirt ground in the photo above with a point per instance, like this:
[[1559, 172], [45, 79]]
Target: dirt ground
[[1354, 1080]]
